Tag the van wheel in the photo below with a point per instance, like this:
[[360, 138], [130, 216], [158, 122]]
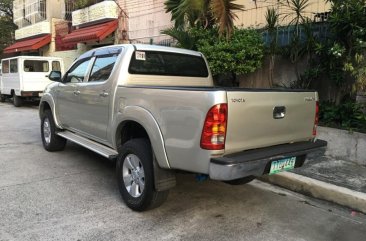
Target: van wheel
[[17, 101], [135, 176], [51, 141], [2, 98], [241, 181]]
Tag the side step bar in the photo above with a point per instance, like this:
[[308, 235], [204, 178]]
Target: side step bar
[[89, 144]]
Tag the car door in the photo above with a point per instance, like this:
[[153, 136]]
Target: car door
[[96, 94], [68, 94]]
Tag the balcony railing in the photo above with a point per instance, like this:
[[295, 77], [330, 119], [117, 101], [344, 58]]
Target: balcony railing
[[28, 12]]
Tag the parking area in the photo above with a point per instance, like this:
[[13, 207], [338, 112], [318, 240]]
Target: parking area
[[72, 195]]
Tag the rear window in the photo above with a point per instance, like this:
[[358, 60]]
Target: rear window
[[163, 63], [5, 66], [36, 66]]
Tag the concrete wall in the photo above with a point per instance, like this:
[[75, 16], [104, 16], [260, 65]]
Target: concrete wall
[[285, 72], [253, 14], [146, 18], [344, 145]]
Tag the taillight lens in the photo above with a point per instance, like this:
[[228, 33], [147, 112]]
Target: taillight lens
[[214, 129], [316, 121]]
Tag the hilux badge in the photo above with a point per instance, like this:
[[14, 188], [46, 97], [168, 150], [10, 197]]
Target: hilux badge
[[309, 98]]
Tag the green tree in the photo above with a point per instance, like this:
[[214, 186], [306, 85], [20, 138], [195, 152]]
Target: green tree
[[7, 27], [343, 56], [242, 54], [272, 18], [204, 13]]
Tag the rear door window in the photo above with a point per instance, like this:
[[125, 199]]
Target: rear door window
[[102, 68], [164, 63]]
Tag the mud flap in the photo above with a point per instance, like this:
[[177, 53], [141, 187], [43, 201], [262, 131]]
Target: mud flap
[[164, 178]]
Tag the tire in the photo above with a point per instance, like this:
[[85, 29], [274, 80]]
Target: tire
[[17, 101], [2, 98], [135, 176], [51, 141], [241, 181]]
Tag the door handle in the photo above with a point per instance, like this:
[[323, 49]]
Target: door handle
[[104, 94], [77, 92]]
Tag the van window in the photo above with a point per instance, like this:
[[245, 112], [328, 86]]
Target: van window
[[13, 66], [5, 66], [56, 66], [102, 68], [164, 63], [36, 66]]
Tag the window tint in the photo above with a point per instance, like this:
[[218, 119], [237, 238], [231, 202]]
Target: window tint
[[5, 66], [102, 68], [56, 66], [162, 63], [36, 66], [13, 66], [77, 72]]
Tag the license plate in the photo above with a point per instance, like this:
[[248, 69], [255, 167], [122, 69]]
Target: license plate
[[282, 165]]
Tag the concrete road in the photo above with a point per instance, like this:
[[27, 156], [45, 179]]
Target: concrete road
[[72, 195]]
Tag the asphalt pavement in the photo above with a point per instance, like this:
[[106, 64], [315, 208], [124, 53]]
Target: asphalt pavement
[[73, 195]]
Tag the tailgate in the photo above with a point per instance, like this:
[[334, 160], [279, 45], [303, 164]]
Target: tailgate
[[265, 118]]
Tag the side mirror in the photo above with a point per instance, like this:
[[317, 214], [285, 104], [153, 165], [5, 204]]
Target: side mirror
[[55, 76]]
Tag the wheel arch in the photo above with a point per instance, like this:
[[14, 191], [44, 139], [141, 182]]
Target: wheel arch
[[47, 103], [137, 122]]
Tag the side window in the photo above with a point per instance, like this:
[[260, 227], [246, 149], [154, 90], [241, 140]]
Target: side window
[[13, 66], [56, 66], [5, 66], [36, 66], [102, 68], [78, 72]]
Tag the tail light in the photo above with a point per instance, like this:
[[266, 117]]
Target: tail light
[[316, 121], [214, 129]]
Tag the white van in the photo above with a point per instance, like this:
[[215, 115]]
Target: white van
[[25, 77]]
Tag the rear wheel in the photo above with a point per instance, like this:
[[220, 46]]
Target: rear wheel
[[241, 181], [135, 176], [51, 141], [2, 98], [17, 101]]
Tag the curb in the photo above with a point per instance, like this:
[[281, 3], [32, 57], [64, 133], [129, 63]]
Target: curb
[[318, 189]]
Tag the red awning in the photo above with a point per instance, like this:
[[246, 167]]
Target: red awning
[[96, 32], [28, 44]]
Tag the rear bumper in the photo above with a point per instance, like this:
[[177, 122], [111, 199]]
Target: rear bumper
[[257, 162], [31, 93]]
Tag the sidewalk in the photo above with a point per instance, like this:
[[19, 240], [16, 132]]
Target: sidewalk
[[326, 178]]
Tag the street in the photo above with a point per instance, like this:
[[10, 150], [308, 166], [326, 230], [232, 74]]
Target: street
[[73, 195]]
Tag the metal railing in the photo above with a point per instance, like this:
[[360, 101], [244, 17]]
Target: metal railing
[[28, 12]]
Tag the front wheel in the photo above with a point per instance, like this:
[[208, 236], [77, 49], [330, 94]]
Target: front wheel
[[51, 141], [135, 176]]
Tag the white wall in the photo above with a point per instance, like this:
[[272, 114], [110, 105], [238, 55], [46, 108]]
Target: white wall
[[146, 18]]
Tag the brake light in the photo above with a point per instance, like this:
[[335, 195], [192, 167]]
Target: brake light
[[316, 121], [214, 129]]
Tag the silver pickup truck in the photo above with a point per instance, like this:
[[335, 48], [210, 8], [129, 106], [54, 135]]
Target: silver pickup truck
[[155, 110]]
